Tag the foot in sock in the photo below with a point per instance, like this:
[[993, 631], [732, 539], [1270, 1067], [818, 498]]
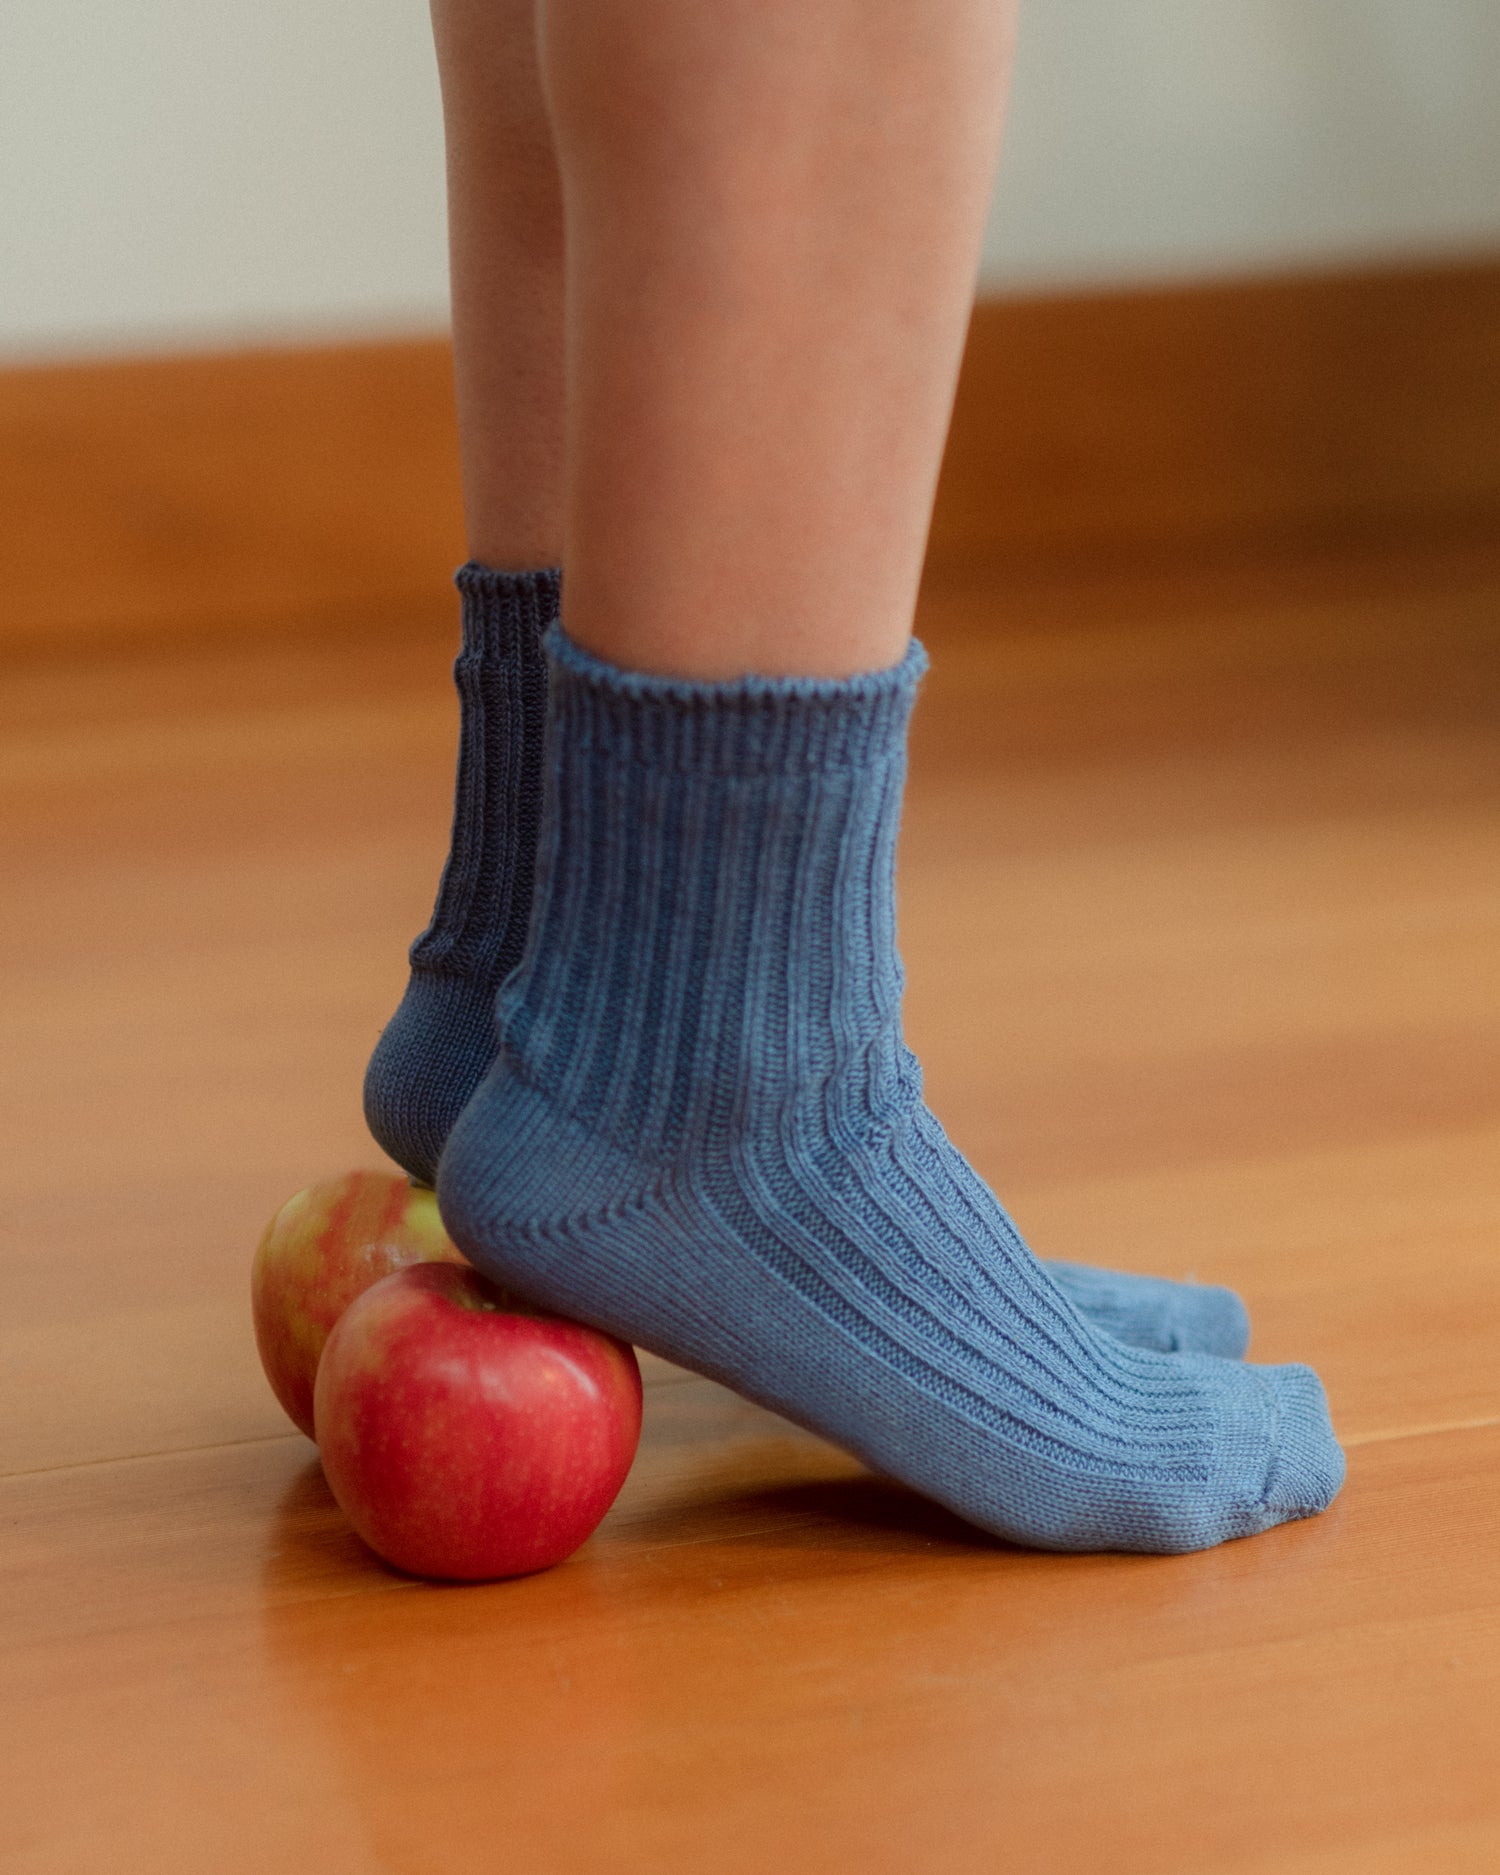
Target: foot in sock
[[1153, 1312], [437, 1047], [435, 1050], [704, 1133]]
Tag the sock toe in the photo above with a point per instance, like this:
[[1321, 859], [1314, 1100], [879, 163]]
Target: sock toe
[[1308, 1468], [1211, 1320]]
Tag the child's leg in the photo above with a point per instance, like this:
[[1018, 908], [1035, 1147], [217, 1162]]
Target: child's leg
[[505, 237], [505, 212], [774, 217], [505, 230], [703, 1131]]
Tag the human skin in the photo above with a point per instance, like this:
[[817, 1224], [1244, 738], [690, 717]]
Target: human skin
[[505, 239], [769, 225]]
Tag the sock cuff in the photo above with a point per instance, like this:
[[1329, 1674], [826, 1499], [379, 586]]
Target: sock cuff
[[745, 726], [506, 611], [478, 925]]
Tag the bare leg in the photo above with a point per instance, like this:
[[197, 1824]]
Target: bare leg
[[505, 235], [774, 212]]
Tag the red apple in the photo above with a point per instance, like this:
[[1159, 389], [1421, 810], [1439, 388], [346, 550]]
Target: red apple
[[467, 1437], [322, 1249]]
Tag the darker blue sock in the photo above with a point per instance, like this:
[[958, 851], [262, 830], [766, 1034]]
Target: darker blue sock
[[704, 1133], [1155, 1312], [437, 1046]]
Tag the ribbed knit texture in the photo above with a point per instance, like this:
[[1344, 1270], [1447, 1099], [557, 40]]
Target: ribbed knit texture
[[435, 1049], [1153, 1312], [439, 1044], [704, 1133]]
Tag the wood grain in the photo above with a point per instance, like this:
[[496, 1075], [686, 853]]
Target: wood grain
[[1201, 923], [764, 1659], [1235, 415], [312, 487]]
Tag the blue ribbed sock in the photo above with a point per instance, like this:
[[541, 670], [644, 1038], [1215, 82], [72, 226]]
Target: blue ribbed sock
[[435, 1049], [704, 1133]]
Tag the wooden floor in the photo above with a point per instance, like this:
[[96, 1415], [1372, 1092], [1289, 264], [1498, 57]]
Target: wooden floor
[[1201, 908]]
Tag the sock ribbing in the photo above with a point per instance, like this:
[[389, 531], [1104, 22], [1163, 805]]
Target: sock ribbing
[[691, 797], [704, 1132], [437, 1046], [441, 1042]]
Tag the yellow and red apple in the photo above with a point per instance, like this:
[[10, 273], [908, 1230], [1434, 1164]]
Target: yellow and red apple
[[322, 1249]]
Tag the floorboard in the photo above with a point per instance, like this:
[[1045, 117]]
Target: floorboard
[[764, 1659], [1202, 924]]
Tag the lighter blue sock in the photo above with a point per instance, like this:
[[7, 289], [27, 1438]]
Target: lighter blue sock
[[434, 1051], [704, 1133]]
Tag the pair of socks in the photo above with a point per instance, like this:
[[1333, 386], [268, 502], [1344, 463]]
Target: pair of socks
[[694, 1122], [441, 1041]]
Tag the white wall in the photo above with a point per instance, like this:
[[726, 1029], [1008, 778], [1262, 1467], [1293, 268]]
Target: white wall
[[1173, 138], [175, 172], [194, 170]]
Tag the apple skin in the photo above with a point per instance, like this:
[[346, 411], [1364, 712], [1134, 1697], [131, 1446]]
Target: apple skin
[[322, 1249], [466, 1437]]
